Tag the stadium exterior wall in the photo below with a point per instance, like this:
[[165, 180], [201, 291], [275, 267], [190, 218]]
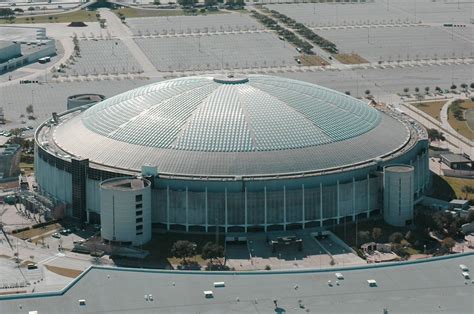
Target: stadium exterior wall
[[244, 205]]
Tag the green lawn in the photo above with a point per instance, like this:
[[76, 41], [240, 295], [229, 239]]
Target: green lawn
[[132, 12], [461, 126], [76, 16], [457, 183]]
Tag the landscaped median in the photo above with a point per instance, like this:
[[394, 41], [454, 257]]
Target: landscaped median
[[431, 108], [75, 16], [461, 117]]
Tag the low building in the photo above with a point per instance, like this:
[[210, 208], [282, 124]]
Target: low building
[[424, 286], [10, 161], [18, 53], [9, 50], [457, 162], [459, 204]]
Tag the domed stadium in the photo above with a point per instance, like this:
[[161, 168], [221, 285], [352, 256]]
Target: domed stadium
[[239, 153]]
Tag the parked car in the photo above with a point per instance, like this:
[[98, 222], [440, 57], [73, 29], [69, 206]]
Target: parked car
[[32, 266], [56, 235]]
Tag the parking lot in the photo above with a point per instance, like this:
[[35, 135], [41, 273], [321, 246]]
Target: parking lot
[[214, 52], [101, 56], [402, 43], [192, 24], [377, 12]]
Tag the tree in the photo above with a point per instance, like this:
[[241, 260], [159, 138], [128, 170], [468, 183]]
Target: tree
[[347, 92], [464, 86], [472, 85], [183, 249], [470, 216], [210, 3], [31, 8], [435, 135], [211, 251], [427, 89], [364, 236], [417, 90], [6, 12], [376, 233], [410, 236], [187, 3], [448, 243], [406, 90], [156, 2], [367, 92], [16, 132], [29, 110], [395, 237], [453, 87], [467, 189]]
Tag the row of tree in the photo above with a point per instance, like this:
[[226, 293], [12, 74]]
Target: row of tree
[[283, 32], [185, 249], [306, 32], [457, 110], [209, 3], [438, 89], [435, 136]]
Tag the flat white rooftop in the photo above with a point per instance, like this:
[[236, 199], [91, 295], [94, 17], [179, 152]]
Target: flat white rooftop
[[430, 286]]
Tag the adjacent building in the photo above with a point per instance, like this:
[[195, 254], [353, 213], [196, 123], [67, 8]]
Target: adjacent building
[[23, 45], [10, 161]]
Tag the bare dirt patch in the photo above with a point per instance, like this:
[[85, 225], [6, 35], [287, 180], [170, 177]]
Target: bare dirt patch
[[349, 58], [312, 60], [431, 108], [37, 232], [66, 272]]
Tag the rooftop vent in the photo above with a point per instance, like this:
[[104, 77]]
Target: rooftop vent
[[231, 79]]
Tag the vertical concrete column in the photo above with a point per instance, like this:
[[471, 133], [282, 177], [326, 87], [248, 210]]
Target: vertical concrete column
[[303, 214], [337, 202], [225, 209], [245, 202], [353, 198], [265, 208], [368, 195], [206, 210], [168, 207], [187, 210], [284, 207], [320, 204], [418, 175]]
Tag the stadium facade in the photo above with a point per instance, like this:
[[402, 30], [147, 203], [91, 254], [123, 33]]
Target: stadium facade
[[241, 153]]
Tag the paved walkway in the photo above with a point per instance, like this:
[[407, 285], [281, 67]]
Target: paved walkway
[[455, 143], [121, 31]]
